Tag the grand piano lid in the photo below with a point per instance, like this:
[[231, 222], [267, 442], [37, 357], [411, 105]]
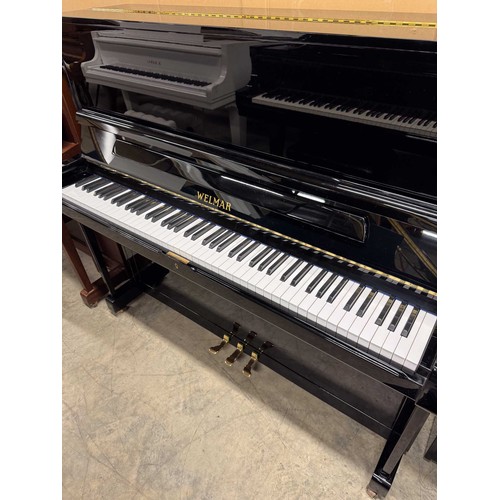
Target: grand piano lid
[[404, 20]]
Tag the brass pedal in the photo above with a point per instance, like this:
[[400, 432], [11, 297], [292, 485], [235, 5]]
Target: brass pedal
[[225, 340], [239, 349], [254, 357]]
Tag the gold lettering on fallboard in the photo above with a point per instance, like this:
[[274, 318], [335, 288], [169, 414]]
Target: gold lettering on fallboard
[[212, 200]]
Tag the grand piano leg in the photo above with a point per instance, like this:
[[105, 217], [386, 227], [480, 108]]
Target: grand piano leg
[[139, 281], [407, 426]]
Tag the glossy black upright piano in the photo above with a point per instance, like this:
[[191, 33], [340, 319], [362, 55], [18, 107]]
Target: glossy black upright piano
[[291, 174]]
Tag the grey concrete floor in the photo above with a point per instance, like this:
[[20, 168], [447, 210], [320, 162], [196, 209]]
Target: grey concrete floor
[[148, 412]]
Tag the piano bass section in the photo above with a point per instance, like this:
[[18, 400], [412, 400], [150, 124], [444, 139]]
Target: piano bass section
[[317, 238]]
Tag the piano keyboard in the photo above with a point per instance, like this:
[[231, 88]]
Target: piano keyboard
[[156, 76], [381, 115], [375, 322]]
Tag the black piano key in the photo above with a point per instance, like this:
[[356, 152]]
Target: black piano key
[[202, 231], [427, 123], [185, 223], [315, 282], [366, 304], [435, 125], [409, 323], [157, 211], [86, 180], [397, 316], [247, 251], [239, 247], [177, 219], [124, 198], [99, 192], [300, 275], [227, 242], [328, 283], [139, 204], [134, 203], [116, 192], [291, 270], [269, 260], [172, 218], [421, 122], [337, 290], [412, 120], [192, 230], [259, 256], [145, 208], [220, 239], [162, 214], [354, 297], [95, 185], [385, 311], [277, 264], [214, 235]]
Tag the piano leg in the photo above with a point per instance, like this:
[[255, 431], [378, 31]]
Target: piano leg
[[139, 281], [406, 428], [238, 125], [127, 100]]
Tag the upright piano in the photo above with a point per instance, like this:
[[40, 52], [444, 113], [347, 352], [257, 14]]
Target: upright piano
[[293, 175]]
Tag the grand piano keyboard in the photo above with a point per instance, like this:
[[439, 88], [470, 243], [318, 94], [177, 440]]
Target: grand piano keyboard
[[378, 323], [381, 115]]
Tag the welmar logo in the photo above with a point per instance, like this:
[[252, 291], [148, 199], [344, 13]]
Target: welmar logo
[[214, 200]]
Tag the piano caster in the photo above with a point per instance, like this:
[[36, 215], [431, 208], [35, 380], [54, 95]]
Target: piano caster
[[239, 349], [254, 357], [225, 340]]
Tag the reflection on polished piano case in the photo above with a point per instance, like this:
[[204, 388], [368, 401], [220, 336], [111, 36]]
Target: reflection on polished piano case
[[292, 175]]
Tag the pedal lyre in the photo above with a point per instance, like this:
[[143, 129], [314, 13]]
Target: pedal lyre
[[225, 340], [239, 349]]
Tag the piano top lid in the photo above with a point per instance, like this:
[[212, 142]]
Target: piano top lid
[[403, 19]]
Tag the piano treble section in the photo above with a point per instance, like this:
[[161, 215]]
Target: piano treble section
[[386, 327]]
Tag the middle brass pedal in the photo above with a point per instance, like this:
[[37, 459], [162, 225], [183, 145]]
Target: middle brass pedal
[[239, 348]]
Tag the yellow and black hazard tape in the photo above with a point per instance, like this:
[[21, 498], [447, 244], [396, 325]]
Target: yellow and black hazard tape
[[260, 17]]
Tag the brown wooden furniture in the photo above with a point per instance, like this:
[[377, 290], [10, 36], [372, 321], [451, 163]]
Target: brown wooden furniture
[[72, 238]]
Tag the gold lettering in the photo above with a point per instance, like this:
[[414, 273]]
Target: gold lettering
[[211, 200]]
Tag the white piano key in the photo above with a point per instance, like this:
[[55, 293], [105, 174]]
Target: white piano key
[[329, 308], [311, 298], [383, 330], [338, 314], [361, 321], [371, 327], [292, 290], [419, 345], [404, 345], [350, 316], [319, 304], [393, 339], [276, 287], [302, 295]]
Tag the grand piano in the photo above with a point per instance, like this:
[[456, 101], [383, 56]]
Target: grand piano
[[293, 175]]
